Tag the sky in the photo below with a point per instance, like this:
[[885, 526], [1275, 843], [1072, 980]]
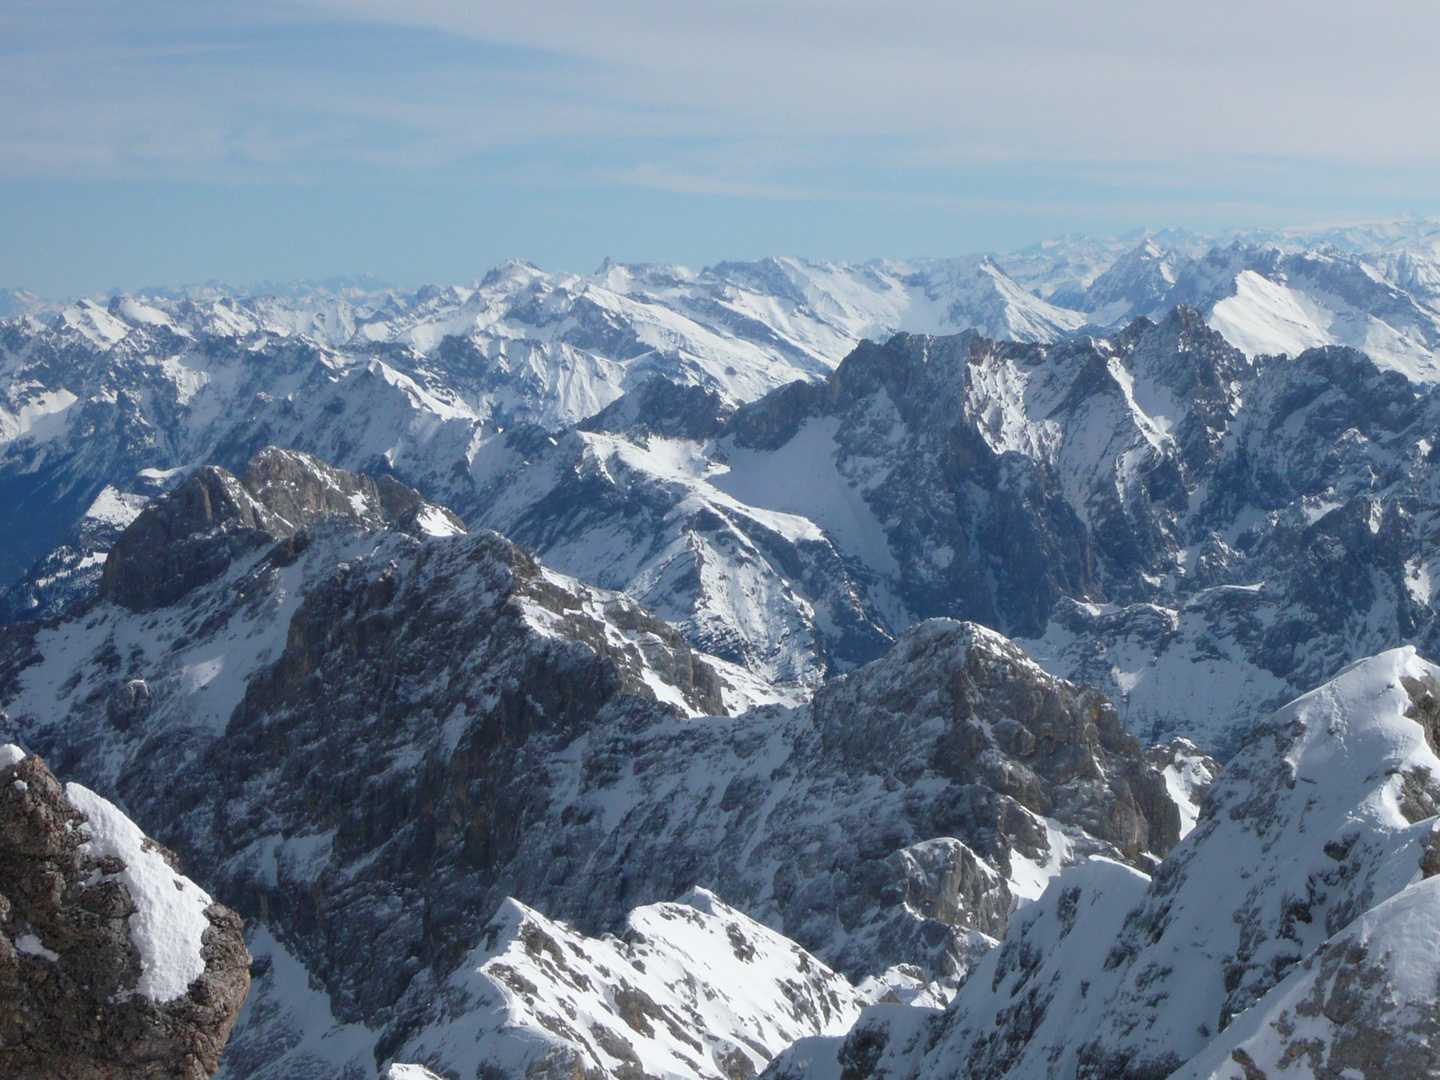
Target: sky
[[164, 142]]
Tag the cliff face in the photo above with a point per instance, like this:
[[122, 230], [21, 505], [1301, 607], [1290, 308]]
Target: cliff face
[[113, 965], [366, 739], [1289, 934], [191, 535]]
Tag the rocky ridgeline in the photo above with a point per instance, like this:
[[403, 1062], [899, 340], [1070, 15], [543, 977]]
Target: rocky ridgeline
[[113, 965], [411, 384], [193, 534], [406, 753], [1173, 512], [1201, 534], [364, 739], [1289, 933]]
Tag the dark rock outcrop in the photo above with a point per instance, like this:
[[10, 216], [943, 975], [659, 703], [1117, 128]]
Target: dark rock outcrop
[[71, 1004], [192, 534], [661, 407]]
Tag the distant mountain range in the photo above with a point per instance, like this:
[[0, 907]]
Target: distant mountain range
[[724, 445], [838, 649]]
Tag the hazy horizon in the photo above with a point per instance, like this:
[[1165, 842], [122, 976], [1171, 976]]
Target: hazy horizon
[[163, 142]]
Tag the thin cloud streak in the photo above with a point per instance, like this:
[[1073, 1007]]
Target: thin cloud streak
[[687, 130], [976, 83]]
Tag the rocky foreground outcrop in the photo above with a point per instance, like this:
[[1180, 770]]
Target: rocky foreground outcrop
[[113, 965]]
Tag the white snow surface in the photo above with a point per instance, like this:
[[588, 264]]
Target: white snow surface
[[10, 754], [400, 1071], [1392, 952], [801, 478], [169, 923], [1186, 779], [116, 507], [1312, 826], [1267, 317], [31, 945], [1329, 768], [1047, 943], [558, 347], [692, 989]]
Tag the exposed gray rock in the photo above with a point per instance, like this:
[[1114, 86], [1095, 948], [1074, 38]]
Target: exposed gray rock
[[191, 535], [408, 729], [72, 1003], [662, 407]]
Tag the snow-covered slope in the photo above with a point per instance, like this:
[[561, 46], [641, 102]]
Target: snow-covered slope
[[1374, 288], [1363, 1003], [1266, 300], [690, 990], [1079, 496], [1153, 512], [1309, 858]]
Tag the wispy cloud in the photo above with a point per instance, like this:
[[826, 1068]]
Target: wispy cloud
[[161, 85], [858, 122]]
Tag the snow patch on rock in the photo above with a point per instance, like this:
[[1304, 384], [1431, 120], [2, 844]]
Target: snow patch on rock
[[169, 923]]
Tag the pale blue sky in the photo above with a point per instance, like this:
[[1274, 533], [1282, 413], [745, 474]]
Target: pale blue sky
[[160, 141]]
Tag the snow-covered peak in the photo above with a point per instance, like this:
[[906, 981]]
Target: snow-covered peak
[[1137, 283], [692, 990], [92, 322], [138, 313]]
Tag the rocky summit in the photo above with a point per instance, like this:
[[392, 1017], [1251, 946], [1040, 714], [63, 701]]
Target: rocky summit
[[113, 964]]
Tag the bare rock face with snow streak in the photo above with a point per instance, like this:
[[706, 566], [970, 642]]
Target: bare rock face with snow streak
[[112, 964], [192, 534], [925, 477], [1173, 512]]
